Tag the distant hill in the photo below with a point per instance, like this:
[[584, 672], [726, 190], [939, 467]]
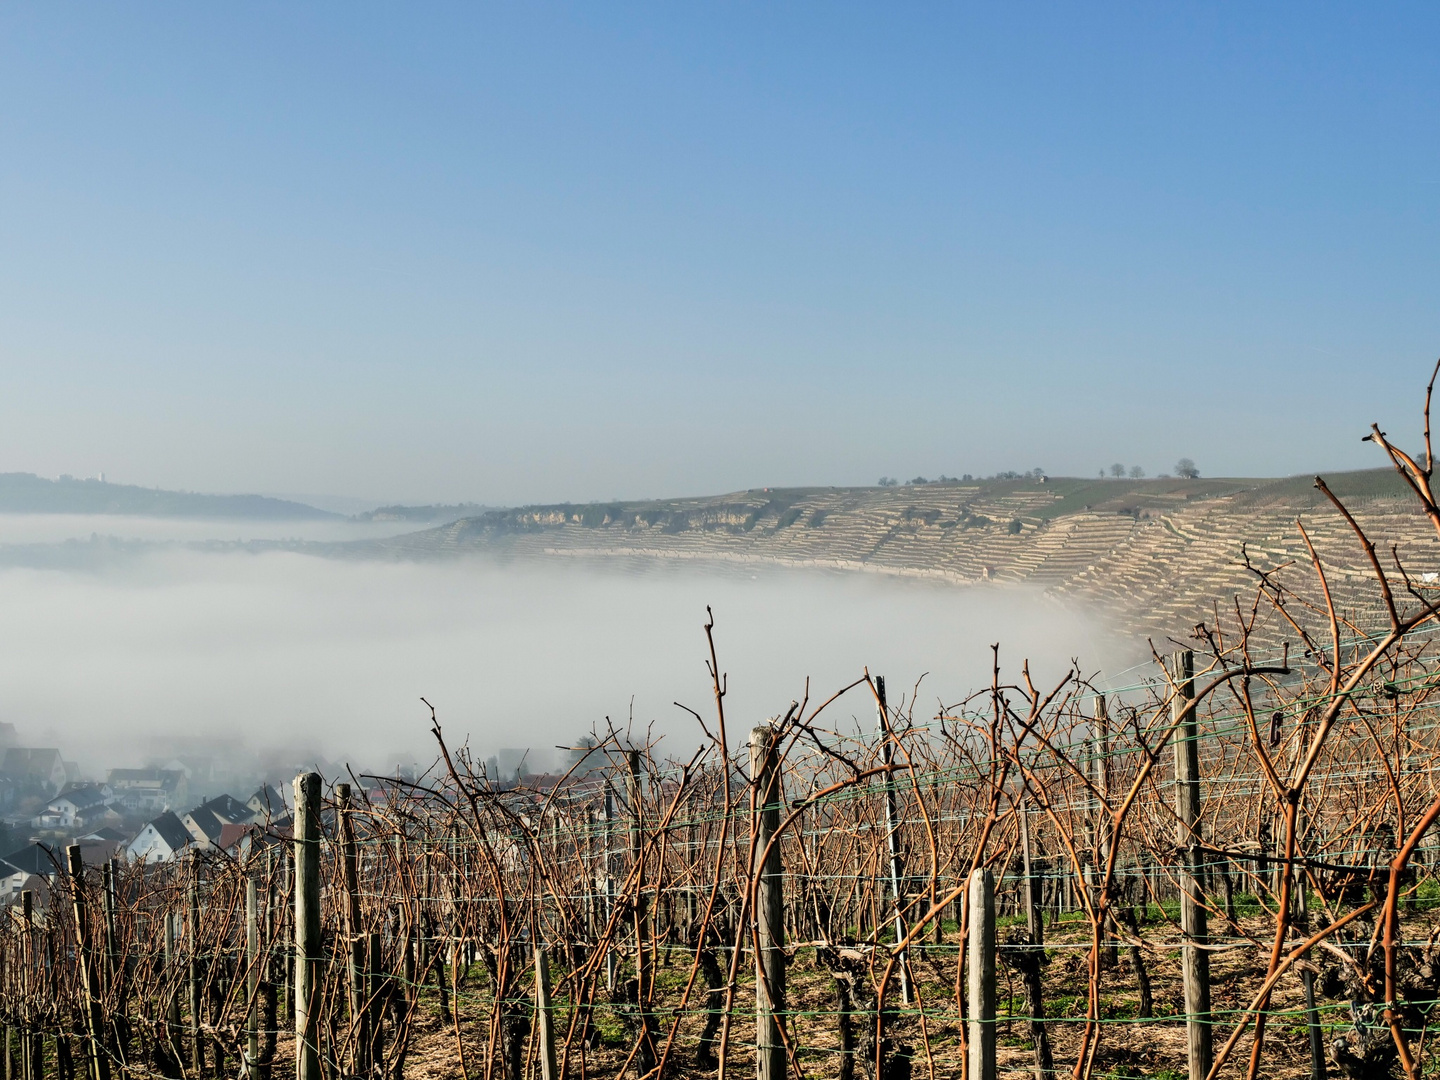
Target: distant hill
[[423, 515], [26, 493], [1155, 554]]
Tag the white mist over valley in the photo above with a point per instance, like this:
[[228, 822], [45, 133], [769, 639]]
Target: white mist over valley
[[290, 657]]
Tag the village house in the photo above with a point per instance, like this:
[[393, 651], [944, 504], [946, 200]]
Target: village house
[[145, 791], [229, 810], [38, 770], [104, 835], [207, 821], [267, 804], [12, 880], [203, 825], [37, 858], [81, 805], [101, 845], [161, 840]]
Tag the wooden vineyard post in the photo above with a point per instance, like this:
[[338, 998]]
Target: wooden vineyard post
[[1034, 981], [307, 925], [375, 1005], [892, 835], [35, 1053], [1307, 974], [1034, 917], [252, 977], [769, 908], [980, 973], [116, 984], [172, 1004], [89, 971], [107, 901], [287, 965], [350, 863], [1108, 956], [197, 1043], [545, 1011], [1312, 1024], [1194, 959], [644, 978], [27, 915], [107, 913], [410, 962], [609, 872]]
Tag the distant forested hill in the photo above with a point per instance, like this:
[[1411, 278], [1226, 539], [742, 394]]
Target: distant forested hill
[[26, 493]]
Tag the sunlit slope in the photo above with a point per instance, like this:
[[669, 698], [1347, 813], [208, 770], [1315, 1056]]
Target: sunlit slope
[[1156, 552]]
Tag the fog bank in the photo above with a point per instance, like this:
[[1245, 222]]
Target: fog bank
[[328, 659], [57, 528]]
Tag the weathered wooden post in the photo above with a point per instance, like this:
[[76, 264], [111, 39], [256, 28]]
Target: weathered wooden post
[[378, 987], [1034, 916], [172, 1004], [117, 983], [89, 969], [35, 1055], [12, 987], [27, 1037], [287, 951], [609, 870], [8, 984], [644, 977], [1034, 981], [1302, 917], [892, 834], [1087, 850], [107, 909], [1194, 959], [197, 1041], [980, 973], [1312, 1023], [307, 925], [769, 908], [350, 863], [410, 962], [252, 978], [545, 1011], [1108, 956]]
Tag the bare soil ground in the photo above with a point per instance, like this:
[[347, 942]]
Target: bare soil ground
[[1129, 1049]]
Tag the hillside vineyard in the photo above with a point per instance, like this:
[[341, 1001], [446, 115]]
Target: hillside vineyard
[[1228, 868], [1152, 553]]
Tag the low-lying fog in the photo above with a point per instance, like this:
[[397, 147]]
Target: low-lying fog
[[57, 528], [327, 659]]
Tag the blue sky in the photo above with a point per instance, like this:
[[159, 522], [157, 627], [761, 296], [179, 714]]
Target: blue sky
[[524, 253]]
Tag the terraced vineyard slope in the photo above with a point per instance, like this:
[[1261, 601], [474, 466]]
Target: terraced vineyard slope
[[1155, 553]]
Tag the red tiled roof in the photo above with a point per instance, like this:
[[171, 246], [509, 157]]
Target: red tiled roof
[[230, 835]]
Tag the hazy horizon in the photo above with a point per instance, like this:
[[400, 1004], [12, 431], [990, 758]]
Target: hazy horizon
[[57, 524]]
